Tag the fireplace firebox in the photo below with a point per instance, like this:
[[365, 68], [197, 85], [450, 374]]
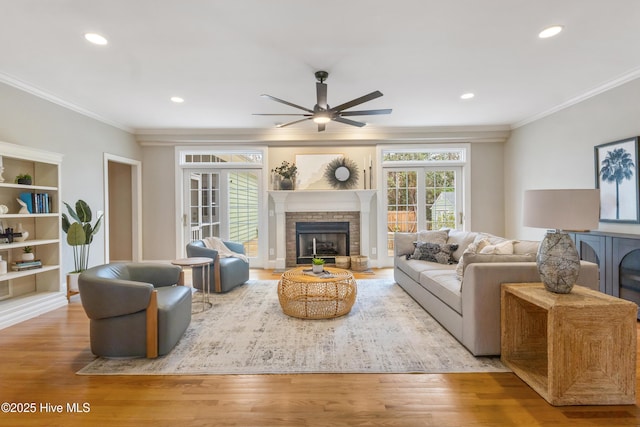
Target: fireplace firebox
[[328, 239]]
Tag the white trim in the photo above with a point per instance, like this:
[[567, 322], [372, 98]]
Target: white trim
[[40, 93], [383, 260], [604, 87], [136, 204]]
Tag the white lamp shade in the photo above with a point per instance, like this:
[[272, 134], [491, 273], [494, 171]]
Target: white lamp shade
[[562, 209]]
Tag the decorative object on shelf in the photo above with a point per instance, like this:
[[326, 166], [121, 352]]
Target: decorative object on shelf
[[21, 234], [1, 171], [24, 210], [27, 254], [3, 266], [8, 235], [311, 168], [317, 265], [287, 172], [4, 209], [342, 173], [23, 179], [617, 178], [80, 233], [557, 258]]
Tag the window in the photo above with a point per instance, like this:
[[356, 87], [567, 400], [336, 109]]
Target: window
[[423, 189]]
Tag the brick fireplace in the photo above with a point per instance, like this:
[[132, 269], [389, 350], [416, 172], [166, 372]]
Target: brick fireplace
[[289, 207], [329, 224]]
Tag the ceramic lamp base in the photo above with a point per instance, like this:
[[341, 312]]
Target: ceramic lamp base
[[558, 262]]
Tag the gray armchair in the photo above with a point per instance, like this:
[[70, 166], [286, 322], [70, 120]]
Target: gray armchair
[[135, 309], [224, 273]]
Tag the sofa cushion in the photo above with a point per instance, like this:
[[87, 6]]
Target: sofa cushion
[[476, 258], [413, 268], [404, 243], [434, 252], [461, 238], [444, 285]]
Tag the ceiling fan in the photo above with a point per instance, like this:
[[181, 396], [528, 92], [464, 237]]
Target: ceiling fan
[[322, 113]]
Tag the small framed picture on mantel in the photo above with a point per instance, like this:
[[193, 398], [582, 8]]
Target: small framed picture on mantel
[[617, 178]]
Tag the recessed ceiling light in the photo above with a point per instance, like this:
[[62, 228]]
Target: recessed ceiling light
[[177, 99], [554, 30], [96, 39], [467, 95]]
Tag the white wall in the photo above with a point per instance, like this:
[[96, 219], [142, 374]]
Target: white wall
[[487, 187], [558, 151], [159, 213], [31, 121]]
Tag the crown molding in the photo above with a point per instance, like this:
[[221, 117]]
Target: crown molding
[[293, 137], [40, 93], [604, 87]]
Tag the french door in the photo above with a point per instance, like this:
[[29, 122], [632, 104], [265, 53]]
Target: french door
[[422, 198], [223, 203]]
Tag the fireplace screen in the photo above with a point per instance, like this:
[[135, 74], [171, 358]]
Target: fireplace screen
[[323, 239]]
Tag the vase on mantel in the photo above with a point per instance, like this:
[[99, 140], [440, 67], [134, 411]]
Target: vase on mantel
[[286, 184]]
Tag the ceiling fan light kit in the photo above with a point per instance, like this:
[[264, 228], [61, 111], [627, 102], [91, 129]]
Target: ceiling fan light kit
[[322, 113]]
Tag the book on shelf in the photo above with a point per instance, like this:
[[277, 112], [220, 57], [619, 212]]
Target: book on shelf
[[37, 202], [26, 265]]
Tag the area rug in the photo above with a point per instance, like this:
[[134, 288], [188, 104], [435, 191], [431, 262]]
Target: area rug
[[246, 332]]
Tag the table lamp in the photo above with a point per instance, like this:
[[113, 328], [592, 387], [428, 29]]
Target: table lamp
[[557, 259]]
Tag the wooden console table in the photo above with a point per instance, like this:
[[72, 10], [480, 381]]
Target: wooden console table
[[572, 349]]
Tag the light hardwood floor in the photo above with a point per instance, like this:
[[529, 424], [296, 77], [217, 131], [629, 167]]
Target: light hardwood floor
[[39, 358]]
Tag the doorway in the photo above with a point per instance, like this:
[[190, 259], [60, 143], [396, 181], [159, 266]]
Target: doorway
[[122, 216]]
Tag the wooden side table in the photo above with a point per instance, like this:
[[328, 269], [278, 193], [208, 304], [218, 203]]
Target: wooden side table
[[205, 263], [572, 349]]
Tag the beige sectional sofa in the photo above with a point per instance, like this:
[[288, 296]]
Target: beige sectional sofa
[[464, 294]]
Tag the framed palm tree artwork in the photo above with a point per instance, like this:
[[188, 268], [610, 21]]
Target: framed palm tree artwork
[[617, 178]]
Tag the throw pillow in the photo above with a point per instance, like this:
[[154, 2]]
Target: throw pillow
[[461, 238], [477, 245], [439, 237], [434, 252], [525, 247], [504, 248]]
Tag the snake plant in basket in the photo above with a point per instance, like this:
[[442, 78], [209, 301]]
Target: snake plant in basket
[[80, 233]]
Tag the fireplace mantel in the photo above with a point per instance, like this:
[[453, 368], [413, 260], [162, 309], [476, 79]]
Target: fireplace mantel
[[320, 201]]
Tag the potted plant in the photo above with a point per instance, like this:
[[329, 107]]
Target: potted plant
[[27, 254], [24, 179], [317, 265], [287, 171], [79, 236]]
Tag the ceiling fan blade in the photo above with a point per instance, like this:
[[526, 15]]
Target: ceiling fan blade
[[321, 127], [282, 114], [321, 91], [293, 123], [349, 122], [357, 101], [286, 103], [366, 112]]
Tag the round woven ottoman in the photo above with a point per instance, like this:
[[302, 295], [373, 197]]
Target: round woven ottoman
[[306, 295]]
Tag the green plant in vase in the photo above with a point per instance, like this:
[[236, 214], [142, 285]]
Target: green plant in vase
[[24, 179], [317, 265], [80, 233], [27, 253]]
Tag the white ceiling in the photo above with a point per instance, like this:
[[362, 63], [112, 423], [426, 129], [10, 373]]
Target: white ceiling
[[221, 55]]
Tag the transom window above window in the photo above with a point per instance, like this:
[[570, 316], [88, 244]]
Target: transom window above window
[[217, 157], [423, 155]]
